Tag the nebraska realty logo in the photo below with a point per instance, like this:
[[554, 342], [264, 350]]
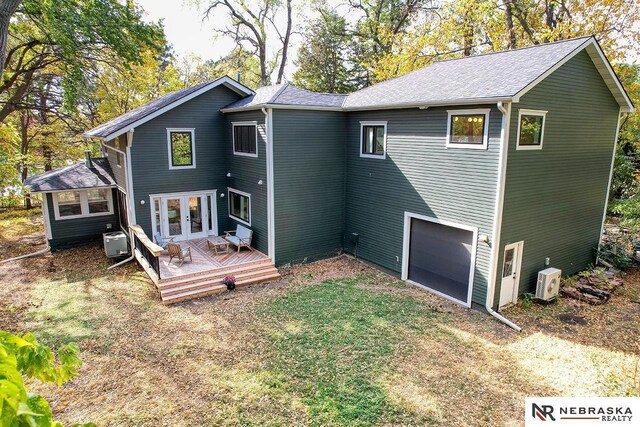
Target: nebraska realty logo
[[582, 411]]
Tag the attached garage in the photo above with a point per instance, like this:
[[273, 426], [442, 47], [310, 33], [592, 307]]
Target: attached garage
[[439, 256]]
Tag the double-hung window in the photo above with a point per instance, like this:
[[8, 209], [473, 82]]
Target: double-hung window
[[181, 146], [82, 203], [373, 139], [240, 206], [530, 129], [468, 128], [245, 139]]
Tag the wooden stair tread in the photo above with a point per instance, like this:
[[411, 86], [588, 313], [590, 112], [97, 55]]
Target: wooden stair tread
[[216, 280], [220, 271], [213, 288]]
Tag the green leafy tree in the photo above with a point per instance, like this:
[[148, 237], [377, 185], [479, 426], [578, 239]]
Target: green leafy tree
[[323, 59], [20, 357], [68, 37]]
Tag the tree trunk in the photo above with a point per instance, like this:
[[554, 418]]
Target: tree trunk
[[7, 9], [285, 44], [467, 35], [508, 17], [43, 106], [24, 150]]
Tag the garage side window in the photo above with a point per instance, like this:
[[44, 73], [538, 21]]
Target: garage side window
[[468, 129], [373, 139], [240, 206], [531, 129]]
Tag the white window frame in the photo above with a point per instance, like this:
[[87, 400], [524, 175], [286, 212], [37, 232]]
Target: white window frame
[[360, 149], [233, 138], [193, 148], [538, 113], [242, 193], [212, 208], [84, 204], [485, 137]]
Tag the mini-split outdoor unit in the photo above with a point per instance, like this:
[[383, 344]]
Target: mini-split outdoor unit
[[548, 283]]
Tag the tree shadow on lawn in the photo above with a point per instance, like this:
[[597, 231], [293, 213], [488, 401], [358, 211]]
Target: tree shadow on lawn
[[359, 357]]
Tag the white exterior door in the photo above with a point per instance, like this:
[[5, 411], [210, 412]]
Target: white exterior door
[[185, 216], [511, 263]]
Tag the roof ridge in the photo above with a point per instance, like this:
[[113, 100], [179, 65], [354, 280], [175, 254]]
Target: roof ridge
[[474, 56], [512, 50], [276, 95]]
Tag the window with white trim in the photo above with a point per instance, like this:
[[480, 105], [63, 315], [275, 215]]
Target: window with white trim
[[69, 204], [373, 139], [468, 128], [245, 139], [530, 129], [240, 206], [82, 203], [181, 144]]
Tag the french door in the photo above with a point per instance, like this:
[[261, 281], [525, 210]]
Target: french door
[[185, 216]]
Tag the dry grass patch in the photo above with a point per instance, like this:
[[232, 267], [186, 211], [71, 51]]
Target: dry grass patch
[[335, 343]]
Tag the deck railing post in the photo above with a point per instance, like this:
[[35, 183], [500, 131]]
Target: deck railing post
[[151, 258]]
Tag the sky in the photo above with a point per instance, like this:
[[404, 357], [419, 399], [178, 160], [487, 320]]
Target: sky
[[185, 29]]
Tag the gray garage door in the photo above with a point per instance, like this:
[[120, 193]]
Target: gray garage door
[[440, 258]]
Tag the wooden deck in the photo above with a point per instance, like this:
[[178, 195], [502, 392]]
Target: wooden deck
[[203, 276], [205, 259]]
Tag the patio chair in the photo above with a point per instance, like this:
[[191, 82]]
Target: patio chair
[[240, 237], [175, 250], [161, 241]]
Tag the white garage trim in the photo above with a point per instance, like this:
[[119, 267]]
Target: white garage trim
[[408, 216]]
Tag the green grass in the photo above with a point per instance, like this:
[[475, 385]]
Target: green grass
[[332, 343], [19, 222]]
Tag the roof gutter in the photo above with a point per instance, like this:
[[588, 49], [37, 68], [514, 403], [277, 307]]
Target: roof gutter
[[497, 221]]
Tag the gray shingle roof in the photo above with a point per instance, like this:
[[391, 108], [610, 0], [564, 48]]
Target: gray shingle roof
[[490, 76], [127, 119], [287, 95], [73, 177]]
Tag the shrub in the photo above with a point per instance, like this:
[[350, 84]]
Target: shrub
[[22, 356]]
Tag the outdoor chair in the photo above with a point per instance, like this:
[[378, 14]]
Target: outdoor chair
[[175, 250], [240, 237], [161, 241]]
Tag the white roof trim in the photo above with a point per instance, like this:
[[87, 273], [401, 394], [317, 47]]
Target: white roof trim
[[616, 89], [227, 81], [280, 106]]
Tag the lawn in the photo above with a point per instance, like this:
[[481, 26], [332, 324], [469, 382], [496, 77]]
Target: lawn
[[333, 343]]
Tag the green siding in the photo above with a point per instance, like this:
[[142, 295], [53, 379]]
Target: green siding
[[150, 163], [246, 172], [420, 176], [69, 232], [555, 197], [309, 174], [119, 172]]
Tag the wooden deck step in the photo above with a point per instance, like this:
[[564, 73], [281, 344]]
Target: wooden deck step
[[179, 287], [196, 290], [219, 271]]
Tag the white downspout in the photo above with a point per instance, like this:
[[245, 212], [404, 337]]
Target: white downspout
[[271, 236], [497, 220]]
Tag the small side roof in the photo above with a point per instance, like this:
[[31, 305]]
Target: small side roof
[[492, 77], [287, 95], [75, 177], [148, 111]]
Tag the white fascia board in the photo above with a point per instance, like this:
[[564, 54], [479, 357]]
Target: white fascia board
[[627, 108], [227, 81], [280, 107]]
